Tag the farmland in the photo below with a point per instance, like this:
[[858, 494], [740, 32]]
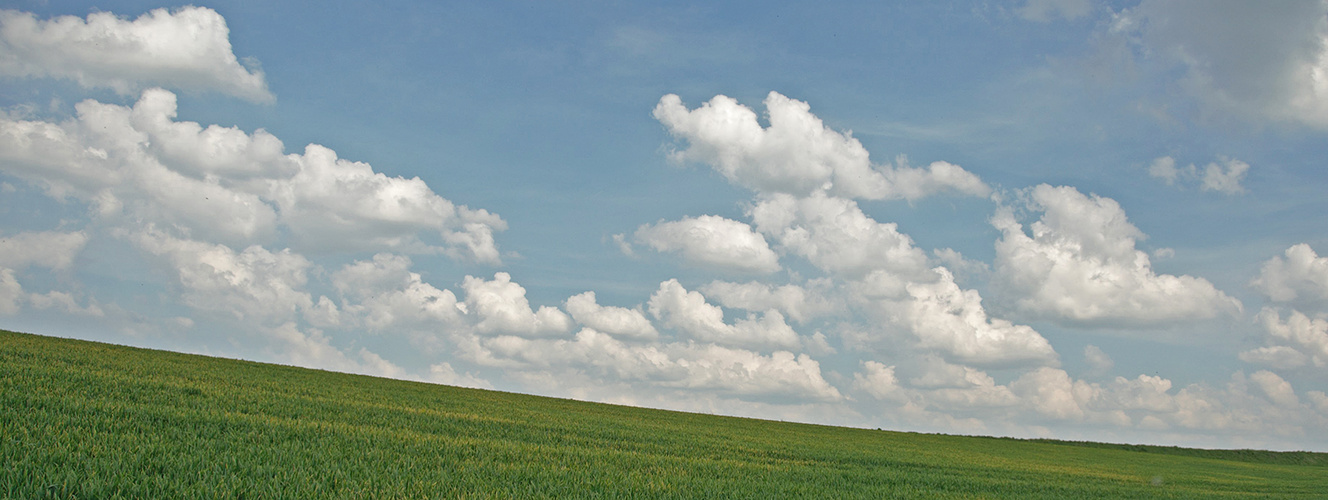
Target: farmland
[[90, 420]]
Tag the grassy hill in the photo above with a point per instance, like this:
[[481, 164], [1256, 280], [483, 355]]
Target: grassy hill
[[89, 420]]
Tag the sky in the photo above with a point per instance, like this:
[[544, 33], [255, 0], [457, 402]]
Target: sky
[[1043, 218]]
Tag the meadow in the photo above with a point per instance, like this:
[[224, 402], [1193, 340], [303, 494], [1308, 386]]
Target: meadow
[[90, 420]]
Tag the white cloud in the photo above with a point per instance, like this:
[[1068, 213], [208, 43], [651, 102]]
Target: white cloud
[[384, 293], [1301, 276], [837, 237], [11, 292], [138, 165], [64, 302], [1044, 10], [1223, 176], [443, 373], [952, 320], [312, 349], [500, 306], [878, 380], [50, 249], [797, 154], [1256, 59], [1099, 363], [962, 268], [336, 204], [1296, 341], [737, 373], [1279, 356], [688, 312], [800, 304], [255, 285], [1080, 265], [1276, 389], [620, 322], [188, 48], [712, 241], [1164, 168]]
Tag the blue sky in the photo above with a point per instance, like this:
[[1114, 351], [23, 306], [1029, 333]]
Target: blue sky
[[1054, 218]]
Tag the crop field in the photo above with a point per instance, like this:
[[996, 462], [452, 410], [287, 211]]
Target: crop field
[[89, 420]]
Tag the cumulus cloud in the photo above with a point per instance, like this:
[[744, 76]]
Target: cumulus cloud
[[689, 313], [49, 249], [798, 303], [1080, 265], [443, 373], [384, 293], [1299, 275], [696, 367], [797, 154], [836, 236], [617, 321], [1296, 341], [500, 307], [953, 321], [188, 49], [331, 203], [1223, 176], [1099, 363], [932, 390], [255, 284], [712, 241], [139, 165], [313, 349], [1266, 61], [11, 292], [877, 379]]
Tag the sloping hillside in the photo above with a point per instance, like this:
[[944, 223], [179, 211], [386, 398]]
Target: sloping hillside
[[89, 420]]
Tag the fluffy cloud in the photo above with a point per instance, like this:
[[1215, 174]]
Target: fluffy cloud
[[312, 349], [338, 204], [877, 379], [1294, 342], [1262, 60], [617, 321], [1254, 406], [798, 303], [255, 285], [1099, 363], [1299, 275], [139, 164], [50, 249], [1080, 265], [188, 49], [384, 293], [837, 237], [1224, 177], [797, 154], [953, 321], [500, 307], [689, 313], [706, 368], [712, 241]]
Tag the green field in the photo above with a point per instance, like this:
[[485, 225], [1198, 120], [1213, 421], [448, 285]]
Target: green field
[[90, 420]]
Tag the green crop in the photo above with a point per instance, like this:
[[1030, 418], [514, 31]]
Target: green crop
[[89, 420]]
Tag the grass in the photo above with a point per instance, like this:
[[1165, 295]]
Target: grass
[[89, 420]]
